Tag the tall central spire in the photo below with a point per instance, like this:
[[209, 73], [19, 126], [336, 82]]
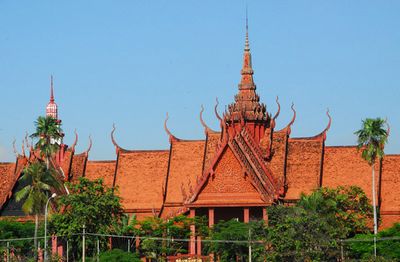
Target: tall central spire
[[247, 72], [247, 108], [247, 102]]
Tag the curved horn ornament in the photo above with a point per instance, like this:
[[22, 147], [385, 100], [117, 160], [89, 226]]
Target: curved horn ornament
[[75, 142], [89, 147], [117, 147], [216, 109], [203, 123], [279, 109], [171, 136]]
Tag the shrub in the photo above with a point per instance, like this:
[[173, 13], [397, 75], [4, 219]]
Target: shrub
[[117, 255]]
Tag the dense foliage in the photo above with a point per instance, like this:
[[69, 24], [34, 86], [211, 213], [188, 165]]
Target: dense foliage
[[40, 178], [389, 248], [371, 138], [118, 255], [89, 203], [160, 238], [10, 229], [311, 229], [48, 134], [230, 240]]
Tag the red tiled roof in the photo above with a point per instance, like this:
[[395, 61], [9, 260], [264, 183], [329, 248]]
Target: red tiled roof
[[78, 166], [6, 180], [211, 147], [185, 168], [140, 178], [303, 166], [343, 166], [390, 183], [9, 175], [101, 169], [277, 163]]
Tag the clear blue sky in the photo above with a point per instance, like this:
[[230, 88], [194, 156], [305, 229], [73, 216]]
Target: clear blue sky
[[129, 62]]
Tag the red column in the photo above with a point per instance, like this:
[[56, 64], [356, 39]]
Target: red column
[[199, 245], [246, 215], [210, 217], [192, 243], [53, 245], [211, 222], [265, 215]]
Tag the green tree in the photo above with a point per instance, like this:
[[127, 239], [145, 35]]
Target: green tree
[[39, 181], [89, 203], [388, 248], [230, 240], [117, 255], [12, 229], [345, 208], [48, 134], [312, 229], [371, 138], [162, 237]]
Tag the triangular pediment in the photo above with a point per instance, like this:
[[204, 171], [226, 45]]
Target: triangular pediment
[[228, 183]]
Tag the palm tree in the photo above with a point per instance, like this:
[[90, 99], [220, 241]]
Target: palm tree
[[39, 181], [372, 138], [49, 133]]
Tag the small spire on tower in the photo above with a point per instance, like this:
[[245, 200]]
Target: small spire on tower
[[52, 109], [51, 89], [247, 46]]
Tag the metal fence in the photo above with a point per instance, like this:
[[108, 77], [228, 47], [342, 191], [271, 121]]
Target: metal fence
[[70, 248]]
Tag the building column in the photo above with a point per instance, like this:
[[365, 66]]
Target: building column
[[198, 246], [210, 216], [211, 222], [192, 243], [265, 215], [246, 215]]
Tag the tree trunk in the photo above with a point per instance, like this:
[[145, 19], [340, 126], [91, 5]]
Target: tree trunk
[[35, 236], [374, 207]]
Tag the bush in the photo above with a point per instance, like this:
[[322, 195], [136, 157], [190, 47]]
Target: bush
[[389, 249], [117, 255], [10, 229]]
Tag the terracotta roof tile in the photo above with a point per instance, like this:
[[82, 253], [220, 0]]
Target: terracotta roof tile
[[185, 167], [101, 169], [211, 147], [66, 163], [343, 166], [277, 163], [78, 166], [9, 174], [303, 167], [140, 178], [6, 180], [389, 183]]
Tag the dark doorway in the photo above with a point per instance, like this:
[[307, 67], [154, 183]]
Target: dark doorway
[[228, 213]]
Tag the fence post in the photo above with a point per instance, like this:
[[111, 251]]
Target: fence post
[[67, 251], [249, 245], [98, 250], [341, 249], [8, 251], [83, 243], [129, 245]]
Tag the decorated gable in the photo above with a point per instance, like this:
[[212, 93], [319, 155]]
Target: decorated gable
[[229, 183]]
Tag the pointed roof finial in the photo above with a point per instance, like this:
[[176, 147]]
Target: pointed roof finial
[[247, 45], [51, 89]]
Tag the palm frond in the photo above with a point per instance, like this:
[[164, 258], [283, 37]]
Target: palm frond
[[22, 193]]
